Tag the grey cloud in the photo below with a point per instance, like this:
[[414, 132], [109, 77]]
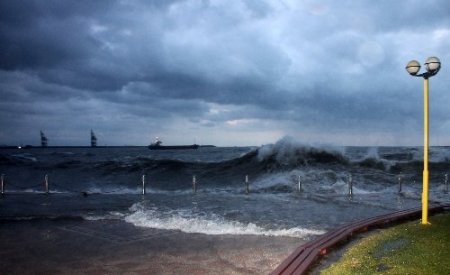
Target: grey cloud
[[39, 35], [323, 65]]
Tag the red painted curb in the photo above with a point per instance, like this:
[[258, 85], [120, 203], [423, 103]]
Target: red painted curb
[[304, 256]]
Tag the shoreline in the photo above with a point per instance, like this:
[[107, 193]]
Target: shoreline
[[115, 246]]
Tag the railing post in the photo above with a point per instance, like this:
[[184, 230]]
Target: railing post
[[400, 183], [446, 182], [350, 185], [194, 184], [46, 183], [2, 183], [299, 184], [143, 184], [247, 188]]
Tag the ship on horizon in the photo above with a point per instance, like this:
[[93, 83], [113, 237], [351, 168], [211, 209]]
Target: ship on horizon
[[44, 140], [93, 139], [157, 145]]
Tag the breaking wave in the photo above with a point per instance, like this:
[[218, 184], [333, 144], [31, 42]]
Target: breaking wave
[[211, 224], [289, 153]]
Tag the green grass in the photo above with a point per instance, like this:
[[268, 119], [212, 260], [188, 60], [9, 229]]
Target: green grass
[[410, 248]]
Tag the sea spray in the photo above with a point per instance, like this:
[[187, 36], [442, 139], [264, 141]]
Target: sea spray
[[288, 153], [372, 159]]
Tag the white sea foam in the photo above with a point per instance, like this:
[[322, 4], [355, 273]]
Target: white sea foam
[[410, 193], [360, 191], [373, 153], [113, 215], [339, 187], [272, 180], [439, 154], [313, 180], [33, 191], [210, 224], [114, 190], [342, 187], [25, 156], [442, 188], [26, 191]]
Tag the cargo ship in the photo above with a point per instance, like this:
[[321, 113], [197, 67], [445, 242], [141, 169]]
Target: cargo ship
[[157, 145]]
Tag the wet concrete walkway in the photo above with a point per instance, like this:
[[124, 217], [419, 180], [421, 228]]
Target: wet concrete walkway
[[117, 247]]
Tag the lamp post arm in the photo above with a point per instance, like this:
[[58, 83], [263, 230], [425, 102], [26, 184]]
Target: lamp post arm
[[425, 75]]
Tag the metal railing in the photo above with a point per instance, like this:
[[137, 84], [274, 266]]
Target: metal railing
[[299, 182]]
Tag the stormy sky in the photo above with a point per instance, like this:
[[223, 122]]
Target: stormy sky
[[221, 72]]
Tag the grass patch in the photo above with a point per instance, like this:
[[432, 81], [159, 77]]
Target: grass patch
[[410, 248]]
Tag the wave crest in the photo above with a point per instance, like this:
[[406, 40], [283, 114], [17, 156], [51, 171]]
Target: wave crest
[[289, 153]]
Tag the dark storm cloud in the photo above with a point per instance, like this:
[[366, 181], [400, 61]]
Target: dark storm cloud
[[38, 34], [86, 46], [317, 64], [56, 40]]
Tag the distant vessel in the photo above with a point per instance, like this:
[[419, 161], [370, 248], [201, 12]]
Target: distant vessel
[[93, 139], [157, 145], [44, 140]]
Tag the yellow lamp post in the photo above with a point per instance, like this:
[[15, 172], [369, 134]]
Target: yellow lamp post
[[432, 64]]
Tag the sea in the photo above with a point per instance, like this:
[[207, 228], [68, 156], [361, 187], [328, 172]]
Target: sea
[[281, 189]]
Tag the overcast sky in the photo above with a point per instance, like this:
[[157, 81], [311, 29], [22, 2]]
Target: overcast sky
[[223, 72]]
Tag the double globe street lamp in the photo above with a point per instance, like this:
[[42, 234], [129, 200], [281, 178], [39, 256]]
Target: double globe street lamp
[[432, 64]]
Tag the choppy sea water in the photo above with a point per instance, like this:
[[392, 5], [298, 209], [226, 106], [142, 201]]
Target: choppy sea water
[[106, 183]]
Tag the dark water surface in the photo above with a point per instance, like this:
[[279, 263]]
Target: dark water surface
[[106, 183]]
